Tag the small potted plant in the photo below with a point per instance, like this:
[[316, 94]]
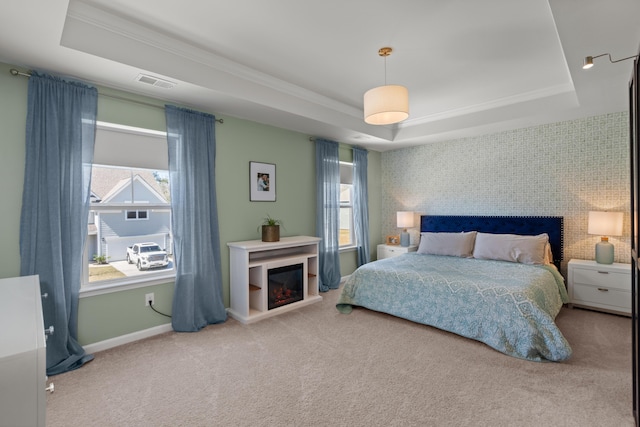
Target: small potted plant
[[271, 229]]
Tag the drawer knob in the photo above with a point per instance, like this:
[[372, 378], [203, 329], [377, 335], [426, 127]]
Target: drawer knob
[[603, 272], [603, 289]]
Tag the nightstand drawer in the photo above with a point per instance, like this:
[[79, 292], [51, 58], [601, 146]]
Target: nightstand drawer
[[602, 278], [388, 251], [602, 297]]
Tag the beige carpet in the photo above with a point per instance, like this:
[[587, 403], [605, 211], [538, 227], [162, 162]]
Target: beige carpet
[[317, 367]]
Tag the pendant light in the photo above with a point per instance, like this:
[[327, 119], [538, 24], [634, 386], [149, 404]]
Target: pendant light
[[388, 104]]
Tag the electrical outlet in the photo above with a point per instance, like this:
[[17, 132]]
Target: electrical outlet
[[149, 297]]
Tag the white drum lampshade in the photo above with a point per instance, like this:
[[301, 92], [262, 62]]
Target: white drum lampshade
[[605, 224], [385, 105]]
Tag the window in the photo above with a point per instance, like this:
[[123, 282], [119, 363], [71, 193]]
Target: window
[[131, 215], [129, 234], [346, 237]]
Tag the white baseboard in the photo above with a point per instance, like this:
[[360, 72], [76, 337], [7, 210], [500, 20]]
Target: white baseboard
[[146, 333], [126, 339], [135, 336]]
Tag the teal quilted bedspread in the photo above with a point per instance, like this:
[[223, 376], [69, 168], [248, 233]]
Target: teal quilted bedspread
[[508, 306]]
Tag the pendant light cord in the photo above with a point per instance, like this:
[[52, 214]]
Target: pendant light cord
[[385, 70]]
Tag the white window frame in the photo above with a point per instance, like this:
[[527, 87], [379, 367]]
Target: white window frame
[[129, 134], [346, 177], [137, 218]]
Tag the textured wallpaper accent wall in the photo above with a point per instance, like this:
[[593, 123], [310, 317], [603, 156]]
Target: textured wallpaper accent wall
[[564, 169]]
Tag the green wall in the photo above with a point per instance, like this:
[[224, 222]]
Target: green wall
[[238, 142], [13, 110]]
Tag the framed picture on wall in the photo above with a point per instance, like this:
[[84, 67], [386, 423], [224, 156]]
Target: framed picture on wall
[[262, 182]]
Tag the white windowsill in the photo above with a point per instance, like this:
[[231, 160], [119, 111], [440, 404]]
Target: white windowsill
[[347, 248], [112, 286]]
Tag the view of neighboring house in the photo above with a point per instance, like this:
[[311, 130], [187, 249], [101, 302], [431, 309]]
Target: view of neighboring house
[[111, 227]]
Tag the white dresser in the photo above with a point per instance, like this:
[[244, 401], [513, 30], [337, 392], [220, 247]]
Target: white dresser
[[389, 251], [22, 353], [605, 287]]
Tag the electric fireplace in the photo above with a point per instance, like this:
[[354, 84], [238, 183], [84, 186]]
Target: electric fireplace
[[252, 297], [285, 285]]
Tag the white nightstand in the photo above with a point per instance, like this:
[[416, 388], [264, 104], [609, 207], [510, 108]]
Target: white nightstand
[[389, 251], [604, 287]]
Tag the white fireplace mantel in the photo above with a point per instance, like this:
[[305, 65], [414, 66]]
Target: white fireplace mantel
[[250, 262]]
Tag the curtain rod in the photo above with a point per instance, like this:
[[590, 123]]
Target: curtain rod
[[341, 144], [15, 72]]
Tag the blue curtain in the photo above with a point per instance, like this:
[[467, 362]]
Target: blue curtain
[[197, 297], [328, 212], [361, 204], [60, 136]]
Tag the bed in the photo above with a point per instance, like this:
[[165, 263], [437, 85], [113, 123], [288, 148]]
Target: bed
[[508, 304]]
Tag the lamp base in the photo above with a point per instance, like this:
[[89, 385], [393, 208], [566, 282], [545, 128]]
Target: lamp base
[[404, 239], [604, 252]]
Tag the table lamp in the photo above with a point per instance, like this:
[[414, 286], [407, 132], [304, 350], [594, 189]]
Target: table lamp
[[605, 224], [405, 220]]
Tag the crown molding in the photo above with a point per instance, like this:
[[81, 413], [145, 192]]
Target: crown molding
[[99, 17], [521, 98]]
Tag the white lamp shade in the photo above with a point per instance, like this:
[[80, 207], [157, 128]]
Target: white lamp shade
[[605, 223], [405, 219], [385, 105]]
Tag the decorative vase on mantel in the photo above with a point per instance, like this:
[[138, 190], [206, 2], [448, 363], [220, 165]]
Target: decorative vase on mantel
[[270, 233]]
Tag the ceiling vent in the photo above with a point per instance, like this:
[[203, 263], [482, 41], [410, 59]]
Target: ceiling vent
[[155, 81]]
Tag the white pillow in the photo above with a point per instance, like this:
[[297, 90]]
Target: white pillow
[[450, 244], [548, 255], [511, 247]]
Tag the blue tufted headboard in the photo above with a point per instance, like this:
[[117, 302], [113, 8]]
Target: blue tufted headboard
[[526, 225]]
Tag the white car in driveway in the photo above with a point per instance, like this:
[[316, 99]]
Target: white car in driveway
[[147, 255]]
